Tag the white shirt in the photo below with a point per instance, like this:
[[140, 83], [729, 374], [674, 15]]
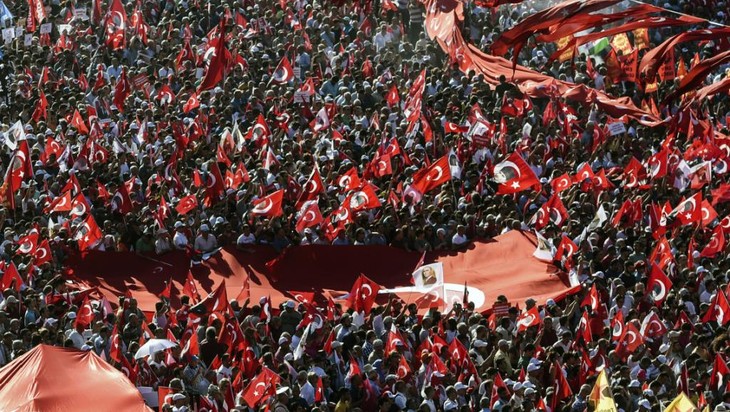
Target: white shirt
[[459, 239], [249, 239], [180, 240], [205, 245], [307, 393]]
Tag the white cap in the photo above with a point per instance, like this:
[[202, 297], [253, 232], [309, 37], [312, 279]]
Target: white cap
[[459, 386]]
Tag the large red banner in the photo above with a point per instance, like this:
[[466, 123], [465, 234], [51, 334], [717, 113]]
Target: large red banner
[[503, 266]]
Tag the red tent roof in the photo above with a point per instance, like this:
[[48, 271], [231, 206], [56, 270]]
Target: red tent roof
[[59, 379]]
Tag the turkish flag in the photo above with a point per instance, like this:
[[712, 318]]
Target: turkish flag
[[565, 251], [88, 233], [85, 314], [553, 211], [658, 285], [319, 390], [259, 131], [309, 216], [652, 326], [186, 204], [630, 341], [218, 62], [716, 244], [121, 90], [562, 387], [261, 387], [689, 210], [28, 243], [193, 102], [363, 294], [312, 188], [528, 319], [349, 180], [457, 351], [283, 72], [658, 164], [719, 309], [514, 175], [592, 299], [189, 342], [392, 97], [719, 371], [115, 25], [427, 179], [269, 206], [381, 166], [190, 289], [11, 278], [617, 326], [231, 335], [79, 206], [561, 182], [216, 301], [121, 202], [115, 349], [61, 203], [708, 213], [42, 253], [362, 199]]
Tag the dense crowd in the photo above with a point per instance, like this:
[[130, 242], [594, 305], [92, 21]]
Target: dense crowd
[[123, 132]]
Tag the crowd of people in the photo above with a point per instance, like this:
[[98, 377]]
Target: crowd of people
[[158, 126]]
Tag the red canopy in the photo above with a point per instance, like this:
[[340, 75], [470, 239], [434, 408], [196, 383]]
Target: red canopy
[[503, 266], [50, 378]]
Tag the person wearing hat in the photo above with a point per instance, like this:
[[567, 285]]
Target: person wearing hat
[[163, 243], [180, 239], [290, 317], [206, 241], [179, 402]]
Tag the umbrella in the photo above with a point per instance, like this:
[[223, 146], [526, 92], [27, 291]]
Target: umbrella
[[153, 346]]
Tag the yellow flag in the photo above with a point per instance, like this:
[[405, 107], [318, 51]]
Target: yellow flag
[[641, 38], [568, 53], [601, 396], [621, 42], [681, 404]]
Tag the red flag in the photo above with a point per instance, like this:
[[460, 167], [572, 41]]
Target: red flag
[[262, 387], [218, 62], [652, 326], [115, 349], [561, 183], [216, 301], [85, 314], [719, 371], [88, 234], [689, 210], [562, 387], [42, 253], [362, 199], [658, 285], [121, 90], [192, 103], [719, 308], [565, 251], [186, 204], [11, 278], [309, 216], [363, 294], [392, 97], [121, 202], [630, 340], [528, 319], [514, 175], [433, 176], [189, 288], [716, 244], [269, 206], [115, 25], [283, 72]]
